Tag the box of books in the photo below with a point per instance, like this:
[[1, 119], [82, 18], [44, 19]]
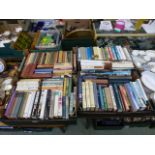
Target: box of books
[[107, 60], [47, 64], [46, 100], [100, 97]]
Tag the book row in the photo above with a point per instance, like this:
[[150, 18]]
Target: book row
[[108, 53], [60, 98], [98, 94], [47, 99]]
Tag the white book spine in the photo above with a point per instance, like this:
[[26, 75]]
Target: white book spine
[[60, 104], [113, 98], [87, 95], [140, 98], [27, 105], [122, 52], [31, 104], [142, 90], [127, 54], [56, 102], [119, 52], [99, 53], [43, 105], [91, 92]]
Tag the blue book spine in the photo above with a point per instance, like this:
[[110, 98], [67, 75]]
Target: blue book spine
[[101, 97], [80, 89], [79, 54], [132, 98], [114, 54], [88, 53], [104, 99], [95, 95], [117, 53], [135, 93], [43, 70], [117, 96], [91, 52]]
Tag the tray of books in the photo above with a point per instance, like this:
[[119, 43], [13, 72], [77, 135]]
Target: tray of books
[[42, 101], [47, 64], [110, 60], [100, 97]]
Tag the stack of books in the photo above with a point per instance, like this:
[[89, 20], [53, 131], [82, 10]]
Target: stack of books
[[101, 59], [45, 64], [98, 94], [43, 99]]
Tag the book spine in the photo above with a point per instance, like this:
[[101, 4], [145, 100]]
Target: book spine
[[124, 99], [122, 53], [101, 97], [142, 89], [140, 99], [96, 96], [134, 105], [104, 99], [118, 100], [87, 96], [31, 104], [67, 108], [34, 109], [51, 112], [18, 104], [92, 98], [60, 105], [84, 103], [127, 54], [110, 53], [43, 103], [113, 98], [117, 53]]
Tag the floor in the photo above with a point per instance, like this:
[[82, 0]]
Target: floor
[[79, 129]]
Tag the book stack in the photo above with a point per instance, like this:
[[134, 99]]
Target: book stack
[[98, 94], [45, 64], [42, 99], [102, 59]]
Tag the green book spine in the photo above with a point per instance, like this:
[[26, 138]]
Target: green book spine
[[106, 54], [101, 97], [104, 99]]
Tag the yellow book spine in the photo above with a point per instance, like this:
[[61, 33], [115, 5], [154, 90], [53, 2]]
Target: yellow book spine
[[64, 88], [96, 56], [92, 100], [87, 95], [84, 104], [60, 57]]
